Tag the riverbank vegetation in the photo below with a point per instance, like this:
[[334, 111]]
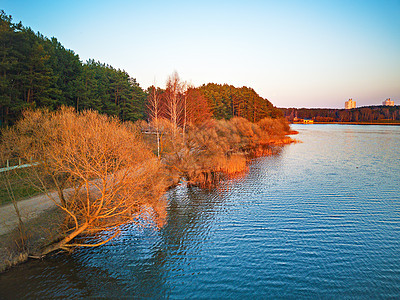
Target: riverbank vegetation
[[222, 147]]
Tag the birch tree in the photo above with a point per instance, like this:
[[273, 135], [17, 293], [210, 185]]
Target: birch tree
[[154, 108], [174, 100]]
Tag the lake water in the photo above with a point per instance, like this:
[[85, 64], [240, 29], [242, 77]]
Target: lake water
[[319, 220]]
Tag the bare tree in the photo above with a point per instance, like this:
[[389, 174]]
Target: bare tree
[[113, 178], [154, 108], [185, 110], [174, 100]]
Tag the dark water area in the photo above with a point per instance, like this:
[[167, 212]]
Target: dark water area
[[319, 220]]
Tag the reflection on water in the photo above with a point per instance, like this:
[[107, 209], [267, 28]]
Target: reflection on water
[[322, 219]]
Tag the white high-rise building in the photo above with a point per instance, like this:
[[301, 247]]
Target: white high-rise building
[[388, 102], [350, 104]]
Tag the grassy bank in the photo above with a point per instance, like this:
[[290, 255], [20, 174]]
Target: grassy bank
[[20, 182]]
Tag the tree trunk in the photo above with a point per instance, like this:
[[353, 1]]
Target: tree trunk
[[63, 242], [184, 120], [158, 142]]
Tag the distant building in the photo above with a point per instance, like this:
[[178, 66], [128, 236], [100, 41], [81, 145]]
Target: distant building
[[388, 102], [350, 104]]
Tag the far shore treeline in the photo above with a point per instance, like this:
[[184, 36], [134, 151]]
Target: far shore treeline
[[371, 114], [38, 72]]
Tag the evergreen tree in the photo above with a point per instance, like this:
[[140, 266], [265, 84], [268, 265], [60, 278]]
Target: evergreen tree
[[227, 101]]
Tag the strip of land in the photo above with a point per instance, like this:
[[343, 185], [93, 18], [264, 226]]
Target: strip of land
[[41, 222], [29, 209], [352, 123]]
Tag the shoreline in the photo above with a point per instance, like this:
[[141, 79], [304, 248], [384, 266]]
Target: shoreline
[[41, 230]]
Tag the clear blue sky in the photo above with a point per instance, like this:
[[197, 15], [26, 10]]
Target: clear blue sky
[[295, 53]]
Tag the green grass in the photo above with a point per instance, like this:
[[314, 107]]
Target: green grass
[[20, 185]]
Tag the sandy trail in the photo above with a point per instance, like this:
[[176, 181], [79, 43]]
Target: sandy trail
[[29, 209], [32, 207]]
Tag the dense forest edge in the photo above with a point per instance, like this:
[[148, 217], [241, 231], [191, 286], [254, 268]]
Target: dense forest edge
[[366, 114], [105, 150]]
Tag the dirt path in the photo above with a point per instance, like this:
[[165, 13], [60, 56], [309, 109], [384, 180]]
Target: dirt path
[[41, 223], [29, 209]]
